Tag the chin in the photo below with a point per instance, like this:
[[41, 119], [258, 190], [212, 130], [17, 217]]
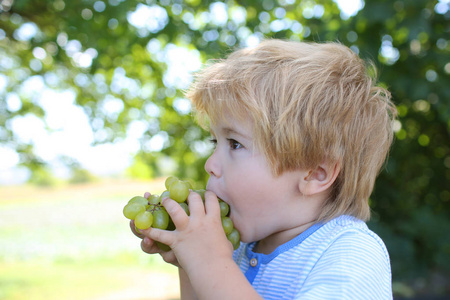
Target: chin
[[246, 240], [244, 237]]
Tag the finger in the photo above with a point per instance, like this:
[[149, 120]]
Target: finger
[[149, 246], [162, 236], [195, 203], [212, 206], [135, 231], [176, 213], [169, 257]]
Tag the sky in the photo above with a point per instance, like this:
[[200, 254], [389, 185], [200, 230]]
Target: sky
[[66, 130]]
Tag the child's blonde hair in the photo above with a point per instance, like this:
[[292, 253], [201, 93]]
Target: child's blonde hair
[[310, 103]]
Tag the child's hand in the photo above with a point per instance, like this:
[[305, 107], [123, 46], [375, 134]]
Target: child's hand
[[198, 239], [149, 246]]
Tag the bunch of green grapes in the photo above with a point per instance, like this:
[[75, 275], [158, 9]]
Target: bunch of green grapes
[[148, 212]]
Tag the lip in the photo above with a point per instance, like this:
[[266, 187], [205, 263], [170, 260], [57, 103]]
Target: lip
[[217, 194], [219, 197]]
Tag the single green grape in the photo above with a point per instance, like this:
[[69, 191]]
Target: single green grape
[[227, 225], [139, 199], [165, 194], [143, 220], [234, 237], [160, 219], [171, 226], [169, 181], [154, 199], [132, 209], [185, 207], [224, 208], [179, 191]]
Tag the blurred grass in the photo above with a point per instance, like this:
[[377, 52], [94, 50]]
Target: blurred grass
[[72, 242]]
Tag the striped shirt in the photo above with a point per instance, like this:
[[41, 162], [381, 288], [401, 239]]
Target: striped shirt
[[341, 259]]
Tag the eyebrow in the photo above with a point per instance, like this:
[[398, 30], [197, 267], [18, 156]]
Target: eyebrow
[[229, 130]]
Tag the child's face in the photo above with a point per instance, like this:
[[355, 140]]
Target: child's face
[[261, 203]]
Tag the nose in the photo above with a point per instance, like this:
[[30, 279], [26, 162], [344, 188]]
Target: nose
[[212, 165]]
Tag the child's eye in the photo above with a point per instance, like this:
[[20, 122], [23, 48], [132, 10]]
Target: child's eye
[[213, 141], [234, 145]]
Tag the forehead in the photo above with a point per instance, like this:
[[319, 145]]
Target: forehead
[[228, 122]]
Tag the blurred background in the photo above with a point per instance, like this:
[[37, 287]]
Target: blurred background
[[92, 112]]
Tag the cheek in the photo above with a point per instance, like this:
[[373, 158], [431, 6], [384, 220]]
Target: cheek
[[242, 183], [248, 194], [248, 184]]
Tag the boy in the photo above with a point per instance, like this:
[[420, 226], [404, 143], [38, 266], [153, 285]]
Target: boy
[[300, 133]]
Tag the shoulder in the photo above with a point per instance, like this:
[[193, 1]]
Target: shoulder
[[347, 230], [352, 260], [349, 234], [349, 239]]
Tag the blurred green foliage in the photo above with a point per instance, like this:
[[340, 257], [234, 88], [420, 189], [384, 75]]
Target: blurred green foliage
[[97, 50]]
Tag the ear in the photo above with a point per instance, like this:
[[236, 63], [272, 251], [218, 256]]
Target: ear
[[319, 179]]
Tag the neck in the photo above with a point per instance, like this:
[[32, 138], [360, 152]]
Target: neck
[[270, 243]]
